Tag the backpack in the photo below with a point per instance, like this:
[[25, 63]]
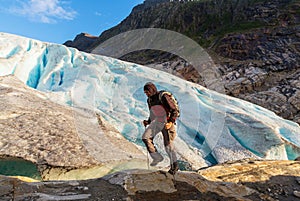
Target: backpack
[[172, 97]]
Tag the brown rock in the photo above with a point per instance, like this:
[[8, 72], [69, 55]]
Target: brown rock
[[239, 180], [59, 139]]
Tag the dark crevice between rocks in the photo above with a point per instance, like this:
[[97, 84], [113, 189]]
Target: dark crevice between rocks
[[184, 191], [277, 187]]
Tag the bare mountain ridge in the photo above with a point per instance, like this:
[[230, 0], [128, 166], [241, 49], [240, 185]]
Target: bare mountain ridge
[[82, 41]]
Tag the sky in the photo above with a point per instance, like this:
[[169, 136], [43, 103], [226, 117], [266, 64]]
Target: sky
[[57, 21]]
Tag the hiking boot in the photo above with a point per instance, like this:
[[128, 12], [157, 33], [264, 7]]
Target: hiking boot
[[156, 158], [174, 168]]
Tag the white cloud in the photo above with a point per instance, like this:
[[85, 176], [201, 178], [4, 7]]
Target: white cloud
[[45, 11], [98, 13]]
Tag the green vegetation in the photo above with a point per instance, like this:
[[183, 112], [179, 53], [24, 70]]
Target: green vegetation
[[207, 21]]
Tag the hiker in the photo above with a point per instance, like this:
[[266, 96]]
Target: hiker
[[163, 114]]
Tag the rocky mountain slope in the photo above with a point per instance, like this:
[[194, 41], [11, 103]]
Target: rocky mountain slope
[[254, 42], [82, 41]]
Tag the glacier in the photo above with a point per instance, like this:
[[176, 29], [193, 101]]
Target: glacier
[[213, 127]]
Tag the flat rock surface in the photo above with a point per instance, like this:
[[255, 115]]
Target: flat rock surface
[[30, 127], [241, 180], [34, 128]]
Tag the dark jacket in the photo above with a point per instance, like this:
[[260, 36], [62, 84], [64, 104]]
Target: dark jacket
[[165, 101]]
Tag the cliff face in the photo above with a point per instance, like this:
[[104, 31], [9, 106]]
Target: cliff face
[[254, 43], [208, 21], [264, 68], [82, 41]]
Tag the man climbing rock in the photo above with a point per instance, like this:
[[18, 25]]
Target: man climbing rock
[[163, 113]]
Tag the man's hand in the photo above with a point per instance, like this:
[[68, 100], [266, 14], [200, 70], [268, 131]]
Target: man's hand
[[168, 125], [145, 122]]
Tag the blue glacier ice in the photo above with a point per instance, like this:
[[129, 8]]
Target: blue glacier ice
[[212, 128]]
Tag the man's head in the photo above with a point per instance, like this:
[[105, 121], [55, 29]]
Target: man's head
[[150, 89]]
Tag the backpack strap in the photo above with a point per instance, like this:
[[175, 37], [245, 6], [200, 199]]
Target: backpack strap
[[162, 93], [174, 113]]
